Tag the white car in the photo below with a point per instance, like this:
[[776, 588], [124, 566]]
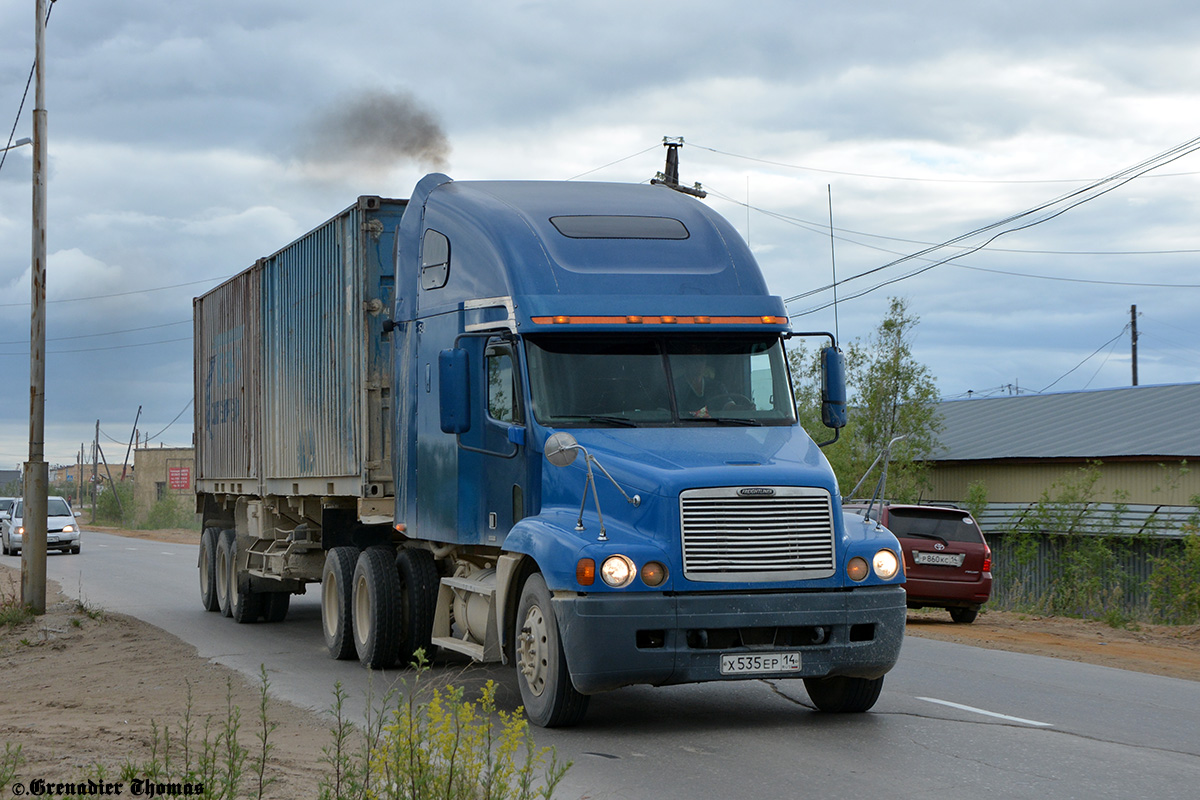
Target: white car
[[62, 528]]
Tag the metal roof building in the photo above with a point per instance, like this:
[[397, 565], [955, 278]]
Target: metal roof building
[[1020, 447]]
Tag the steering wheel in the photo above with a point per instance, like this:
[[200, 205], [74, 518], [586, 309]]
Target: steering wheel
[[732, 400]]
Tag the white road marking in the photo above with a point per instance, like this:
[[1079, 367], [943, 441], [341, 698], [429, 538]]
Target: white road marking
[[987, 713]]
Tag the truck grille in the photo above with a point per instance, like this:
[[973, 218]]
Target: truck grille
[[757, 533]]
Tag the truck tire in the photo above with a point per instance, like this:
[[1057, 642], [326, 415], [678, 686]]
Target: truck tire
[[337, 583], [418, 602], [224, 566], [276, 605], [551, 700], [376, 607], [246, 605], [839, 694], [208, 570]]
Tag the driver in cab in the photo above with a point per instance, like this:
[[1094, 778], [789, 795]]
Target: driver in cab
[[696, 385]]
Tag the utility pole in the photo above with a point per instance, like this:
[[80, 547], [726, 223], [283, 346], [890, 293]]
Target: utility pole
[[1133, 339], [37, 474]]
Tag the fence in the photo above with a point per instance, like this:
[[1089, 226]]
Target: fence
[[1084, 559]]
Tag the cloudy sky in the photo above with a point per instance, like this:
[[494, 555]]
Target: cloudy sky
[[188, 139]]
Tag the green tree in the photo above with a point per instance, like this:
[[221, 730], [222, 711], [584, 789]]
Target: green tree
[[891, 394]]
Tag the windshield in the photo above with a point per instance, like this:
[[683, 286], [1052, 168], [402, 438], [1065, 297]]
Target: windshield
[[55, 507], [608, 379]]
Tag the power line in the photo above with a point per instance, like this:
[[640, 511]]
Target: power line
[[1081, 363], [107, 333], [1071, 200], [24, 97], [612, 163], [824, 231], [110, 347], [905, 178], [122, 294]]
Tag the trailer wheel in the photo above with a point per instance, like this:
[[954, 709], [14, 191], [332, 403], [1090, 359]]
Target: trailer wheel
[[418, 602], [208, 570], [376, 605], [550, 698], [224, 565], [839, 694], [246, 605], [337, 582], [275, 606]]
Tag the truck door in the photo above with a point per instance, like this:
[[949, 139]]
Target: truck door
[[491, 465]]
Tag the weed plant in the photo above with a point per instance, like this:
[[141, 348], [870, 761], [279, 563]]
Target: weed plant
[[424, 745]]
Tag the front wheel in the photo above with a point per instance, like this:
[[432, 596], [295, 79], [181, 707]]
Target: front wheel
[[551, 700], [839, 694]]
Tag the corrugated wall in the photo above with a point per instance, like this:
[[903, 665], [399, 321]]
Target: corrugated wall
[[312, 313], [1129, 482], [227, 372]]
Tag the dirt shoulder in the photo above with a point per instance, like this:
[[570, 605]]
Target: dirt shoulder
[[85, 687]]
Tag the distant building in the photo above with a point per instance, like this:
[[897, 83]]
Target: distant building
[[1145, 438], [161, 472], [8, 476]]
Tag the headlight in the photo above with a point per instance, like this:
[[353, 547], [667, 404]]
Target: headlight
[[886, 565], [68, 528], [617, 571]]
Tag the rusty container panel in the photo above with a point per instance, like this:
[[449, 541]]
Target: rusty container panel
[[319, 385], [228, 345]]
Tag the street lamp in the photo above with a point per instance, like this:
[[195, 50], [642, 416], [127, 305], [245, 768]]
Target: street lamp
[[16, 144]]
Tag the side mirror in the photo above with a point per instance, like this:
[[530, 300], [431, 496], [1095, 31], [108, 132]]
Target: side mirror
[[561, 449], [833, 388], [454, 396]]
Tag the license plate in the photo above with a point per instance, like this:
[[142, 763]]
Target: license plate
[[744, 664], [939, 559]]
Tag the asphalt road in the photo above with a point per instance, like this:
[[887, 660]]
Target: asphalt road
[[953, 721]]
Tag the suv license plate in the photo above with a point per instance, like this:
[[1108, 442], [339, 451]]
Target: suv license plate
[[743, 664], [939, 559]]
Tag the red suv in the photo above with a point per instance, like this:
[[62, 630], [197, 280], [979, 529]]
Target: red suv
[[947, 563]]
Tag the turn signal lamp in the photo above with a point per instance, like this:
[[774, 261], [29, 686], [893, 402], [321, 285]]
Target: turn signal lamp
[[857, 569], [653, 573], [585, 572], [987, 559]]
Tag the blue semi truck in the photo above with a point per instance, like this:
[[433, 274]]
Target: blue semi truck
[[544, 423]]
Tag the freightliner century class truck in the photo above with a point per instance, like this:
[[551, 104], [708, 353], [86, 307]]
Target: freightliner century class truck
[[544, 423]]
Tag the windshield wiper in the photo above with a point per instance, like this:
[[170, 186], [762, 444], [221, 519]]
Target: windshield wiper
[[623, 422]]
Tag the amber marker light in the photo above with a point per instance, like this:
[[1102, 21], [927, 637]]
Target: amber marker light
[[585, 572], [633, 319], [702, 320], [668, 320], [561, 319], [857, 568], [653, 573]]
